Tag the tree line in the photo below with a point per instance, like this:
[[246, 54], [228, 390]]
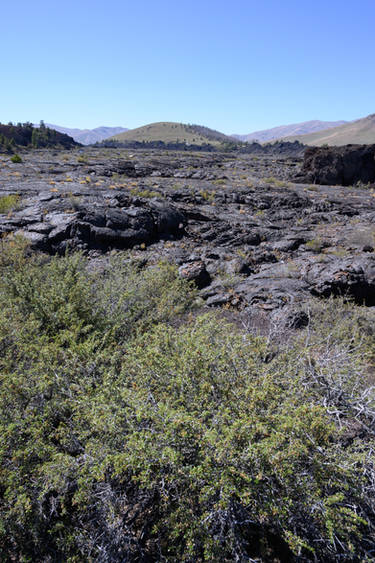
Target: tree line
[[26, 135]]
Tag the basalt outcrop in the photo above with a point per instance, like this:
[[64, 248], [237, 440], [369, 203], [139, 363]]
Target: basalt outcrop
[[345, 166]]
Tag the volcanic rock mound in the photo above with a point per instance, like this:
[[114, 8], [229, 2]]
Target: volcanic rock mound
[[343, 166]]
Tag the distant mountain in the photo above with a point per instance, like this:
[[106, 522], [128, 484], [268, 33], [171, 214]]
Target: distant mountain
[[88, 136], [170, 132], [361, 131], [287, 130]]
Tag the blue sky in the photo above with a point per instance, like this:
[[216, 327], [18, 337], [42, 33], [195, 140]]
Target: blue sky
[[234, 66]]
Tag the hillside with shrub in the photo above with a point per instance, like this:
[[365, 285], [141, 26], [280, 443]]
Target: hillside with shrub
[[170, 132], [26, 135]]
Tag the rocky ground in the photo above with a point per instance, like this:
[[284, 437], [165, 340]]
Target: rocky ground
[[252, 239]]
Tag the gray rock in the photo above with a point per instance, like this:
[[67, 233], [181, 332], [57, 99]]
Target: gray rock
[[195, 271], [352, 277]]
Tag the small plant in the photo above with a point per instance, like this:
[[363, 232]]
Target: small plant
[[16, 159], [315, 244], [207, 195], [259, 213], [362, 186], [270, 180], [75, 202], [340, 252], [291, 269], [241, 254], [9, 203], [148, 194], [280, 184]]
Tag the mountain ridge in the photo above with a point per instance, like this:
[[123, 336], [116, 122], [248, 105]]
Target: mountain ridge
[[282, 131], [88, 136], [358, 132]]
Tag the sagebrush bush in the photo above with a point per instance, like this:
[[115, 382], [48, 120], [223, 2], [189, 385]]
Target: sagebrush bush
[[124, 438]]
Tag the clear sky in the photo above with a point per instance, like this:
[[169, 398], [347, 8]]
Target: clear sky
[[236, 66]]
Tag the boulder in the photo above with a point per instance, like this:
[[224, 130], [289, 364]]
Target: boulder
[[168, 220], [195, 271], [352, 277]]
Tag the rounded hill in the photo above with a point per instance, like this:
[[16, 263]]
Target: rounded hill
[[170, 132]]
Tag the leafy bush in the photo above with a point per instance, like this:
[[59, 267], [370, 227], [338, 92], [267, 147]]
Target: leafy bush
[[239, 455], [133, 299], [124, 438], [63, 296]]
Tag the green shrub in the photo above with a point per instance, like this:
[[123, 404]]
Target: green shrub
[[207, 195], [316, 245], [16, 159], [9, 202], [145, 193], [218, 436], [134, 299], [270, 180], [63, 296], [124, 438]]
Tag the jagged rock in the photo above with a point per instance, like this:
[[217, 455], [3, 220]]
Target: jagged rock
[[290, 243], [345, 165], [218, 299], [126, 168], [168, 220], [238, 266], [195, 271], [99, 227], [352, 277], [271, 293], [291, 318]]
